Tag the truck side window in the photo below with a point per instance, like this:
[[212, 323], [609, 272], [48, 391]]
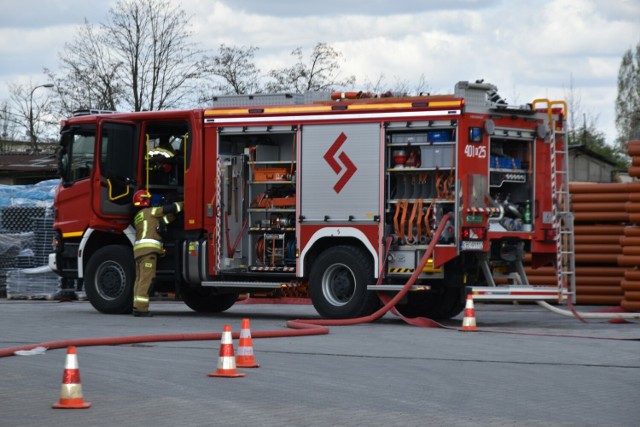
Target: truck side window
[[118, 151], [75, 159]]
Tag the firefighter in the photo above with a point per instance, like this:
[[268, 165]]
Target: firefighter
[[150, 222]]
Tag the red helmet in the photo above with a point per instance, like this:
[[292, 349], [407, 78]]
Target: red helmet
[[141, 198]]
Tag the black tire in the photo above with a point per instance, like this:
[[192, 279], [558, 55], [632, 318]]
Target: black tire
[[109, 278], [206, 300], [338, 283], [439, 304]]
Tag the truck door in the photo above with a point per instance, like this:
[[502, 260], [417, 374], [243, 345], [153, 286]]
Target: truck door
[[115, 180], [340, 173]]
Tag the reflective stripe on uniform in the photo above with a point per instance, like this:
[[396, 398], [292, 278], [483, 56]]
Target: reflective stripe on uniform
[[140, 299], [139, 217], [147, 243]]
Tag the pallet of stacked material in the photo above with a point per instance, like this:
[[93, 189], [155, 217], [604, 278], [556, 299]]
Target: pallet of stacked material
[[44, 234], [10, 247], [32, 283], [19, 218]]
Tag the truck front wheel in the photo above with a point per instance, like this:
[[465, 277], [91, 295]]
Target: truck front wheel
[[338, 283], [109, 278]]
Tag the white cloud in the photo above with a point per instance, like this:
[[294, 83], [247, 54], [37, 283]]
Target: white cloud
[[527, 48]]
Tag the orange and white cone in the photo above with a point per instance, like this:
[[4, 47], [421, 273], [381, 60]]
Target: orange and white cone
[[226, 360], [71, 390], [469, 320], [244, 356]]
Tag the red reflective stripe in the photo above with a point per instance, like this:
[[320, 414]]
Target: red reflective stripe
[[226, 350], [71, 376]]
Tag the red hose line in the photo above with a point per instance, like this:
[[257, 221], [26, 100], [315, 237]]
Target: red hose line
[[389, 304], [298, 327]]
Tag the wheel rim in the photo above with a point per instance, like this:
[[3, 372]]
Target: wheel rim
[[338, 284], [111, 280]]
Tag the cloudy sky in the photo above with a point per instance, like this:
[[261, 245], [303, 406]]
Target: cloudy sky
[[529, 49]]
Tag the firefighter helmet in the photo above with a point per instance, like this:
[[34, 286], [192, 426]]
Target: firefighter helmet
[[142, 198]]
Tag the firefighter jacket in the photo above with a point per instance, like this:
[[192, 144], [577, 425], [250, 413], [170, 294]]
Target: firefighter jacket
[[148, 223]]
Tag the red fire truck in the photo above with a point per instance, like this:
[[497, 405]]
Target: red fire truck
[[341, 197]]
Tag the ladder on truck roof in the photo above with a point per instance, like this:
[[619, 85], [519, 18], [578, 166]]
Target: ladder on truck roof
[[563, 226]]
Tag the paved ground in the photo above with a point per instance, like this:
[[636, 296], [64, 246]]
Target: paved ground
[[546, 370]]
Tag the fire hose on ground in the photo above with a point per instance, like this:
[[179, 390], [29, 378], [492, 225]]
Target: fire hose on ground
[[303, 327], [296, 327]]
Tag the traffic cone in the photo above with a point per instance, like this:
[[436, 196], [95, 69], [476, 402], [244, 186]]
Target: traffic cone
[[226, 360], [469, 320], [244, 358], [71, 390]]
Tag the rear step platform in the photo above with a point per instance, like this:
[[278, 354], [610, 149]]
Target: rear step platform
[[515, 293]]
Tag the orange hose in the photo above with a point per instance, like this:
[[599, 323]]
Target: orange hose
[[396, 222], [411, 219], [419, 221], [405, 209]]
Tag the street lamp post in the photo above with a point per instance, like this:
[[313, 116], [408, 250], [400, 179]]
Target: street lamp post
[[32, 135]]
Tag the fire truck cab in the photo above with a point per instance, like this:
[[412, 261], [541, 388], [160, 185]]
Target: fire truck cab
[[335, 199]]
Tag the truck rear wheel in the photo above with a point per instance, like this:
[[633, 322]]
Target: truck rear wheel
[[338, 283], [206, 300], [109, 278], [440, 304]]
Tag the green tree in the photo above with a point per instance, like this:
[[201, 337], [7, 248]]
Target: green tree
[[628, 99], [582, 128]]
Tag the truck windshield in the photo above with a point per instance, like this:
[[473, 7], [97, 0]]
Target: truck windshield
[[75, 158]]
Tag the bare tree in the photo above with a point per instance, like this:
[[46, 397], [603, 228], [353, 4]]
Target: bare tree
[[7, 122], [151, 40], [235, 70], [573, 98], [89, 74], [377, 86], [140, 58], [322, 72], [401, 87], [32, 110], [422, 86]]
